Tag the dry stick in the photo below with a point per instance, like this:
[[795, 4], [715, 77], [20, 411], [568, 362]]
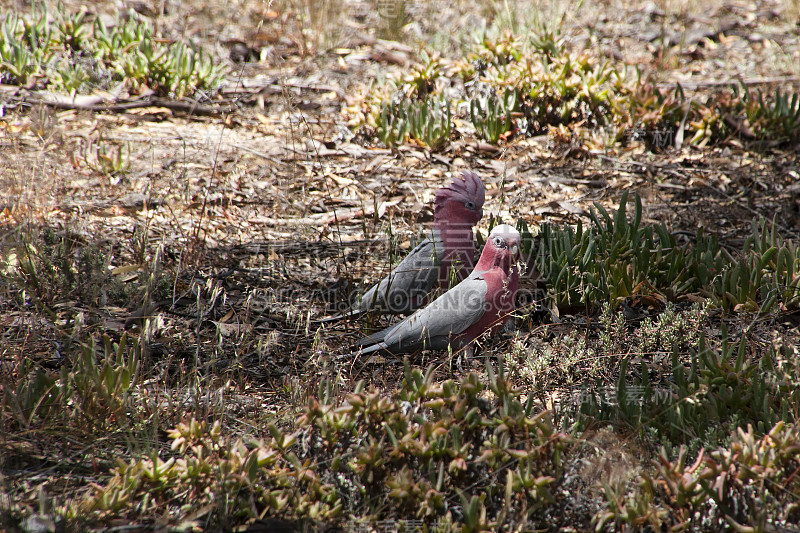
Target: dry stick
[[191, 108], [280, 87], [722, 83]]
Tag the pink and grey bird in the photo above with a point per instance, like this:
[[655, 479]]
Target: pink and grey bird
[[448, 254], [482, 302]]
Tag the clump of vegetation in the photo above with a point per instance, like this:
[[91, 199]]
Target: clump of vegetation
[[438, 452], [413, 109], [574, 358], [492, 115], [106, 158], [700, 393], [538, 85], [747, 485], [93, 394], [616, 258], [48, 266], [51, 265], [723, 414], [427, 121], [555, 87], [560, 88], [767, 277], [659, 116], [391, 125], [430, 122], [68, 52]]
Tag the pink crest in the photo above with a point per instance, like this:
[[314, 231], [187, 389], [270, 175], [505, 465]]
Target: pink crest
[[468, 188]]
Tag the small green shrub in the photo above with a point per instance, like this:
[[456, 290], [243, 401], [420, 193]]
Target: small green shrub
[[66, 52], [106, 158], [614, 259], [617, 258], [720, 390], [577, 94], [101, 390], [491, 115], [428, 121], [422, 81], [92, 395], [552, 86], [773, 117], [747, 485], [391, 124], [50, 265]]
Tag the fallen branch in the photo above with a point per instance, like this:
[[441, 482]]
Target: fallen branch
[[88, 104], [721, 83]]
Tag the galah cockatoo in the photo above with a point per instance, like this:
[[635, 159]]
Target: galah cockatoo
[[482, 302], [448, 254]]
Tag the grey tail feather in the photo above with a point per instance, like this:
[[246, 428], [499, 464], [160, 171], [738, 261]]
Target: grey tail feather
[[364, 351], [370, 349], [355, 313], [373, 339]]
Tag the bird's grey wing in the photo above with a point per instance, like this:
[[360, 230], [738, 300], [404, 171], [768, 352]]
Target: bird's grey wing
[[450, 314], [405, 287]]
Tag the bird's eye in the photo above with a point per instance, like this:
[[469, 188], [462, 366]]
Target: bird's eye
[[470, 205], [499, 242]]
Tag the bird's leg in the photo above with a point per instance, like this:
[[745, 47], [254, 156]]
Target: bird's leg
[[465, 355]]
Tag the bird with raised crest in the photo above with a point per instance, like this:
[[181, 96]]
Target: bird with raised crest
[[482, 302], [446, 256]]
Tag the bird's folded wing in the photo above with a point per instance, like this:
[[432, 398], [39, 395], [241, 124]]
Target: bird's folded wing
[[415, 276], [450, 314]]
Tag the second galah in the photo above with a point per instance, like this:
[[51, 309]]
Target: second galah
[[448, 254], [482, 302]]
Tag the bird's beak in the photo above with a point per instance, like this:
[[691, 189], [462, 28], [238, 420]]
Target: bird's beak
[[515, 251]]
